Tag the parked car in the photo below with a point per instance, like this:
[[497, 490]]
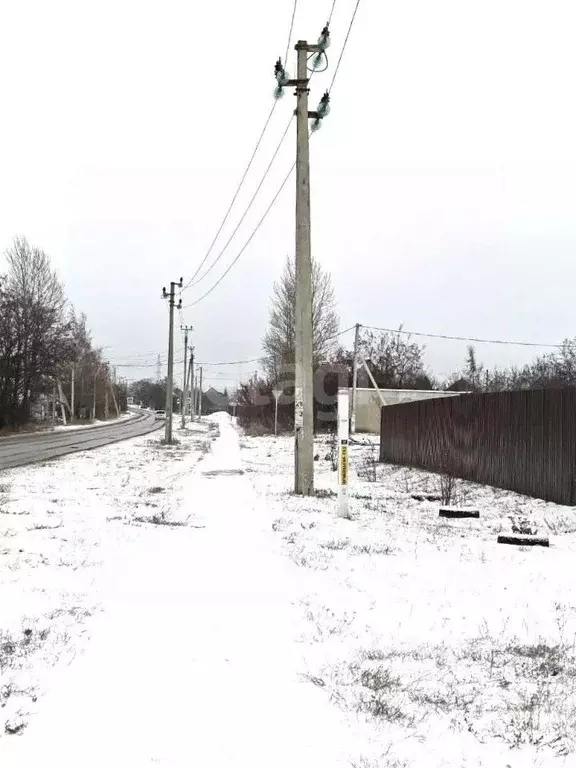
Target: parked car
[[160, 414]]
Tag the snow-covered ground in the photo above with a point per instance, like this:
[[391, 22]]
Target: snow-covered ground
[[457, 650], [58, 522], [41, 430], [192, 659], [232, 623]]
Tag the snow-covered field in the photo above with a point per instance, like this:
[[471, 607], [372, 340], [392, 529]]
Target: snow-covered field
[[215, 619], [58, 521], [457, 650]]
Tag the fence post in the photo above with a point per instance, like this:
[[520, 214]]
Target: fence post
[[343, 427]]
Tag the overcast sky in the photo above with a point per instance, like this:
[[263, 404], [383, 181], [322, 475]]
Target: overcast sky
[[443, 181]]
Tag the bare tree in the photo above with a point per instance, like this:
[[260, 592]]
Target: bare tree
[[279, 341], [395, 360], [35, 332]]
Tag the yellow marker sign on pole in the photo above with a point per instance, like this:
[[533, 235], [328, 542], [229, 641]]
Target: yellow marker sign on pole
[[343, 464]]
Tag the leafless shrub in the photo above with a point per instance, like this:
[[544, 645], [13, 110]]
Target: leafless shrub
[[156, 489], [378, 695], [326, 623], [313, 559], [161, 520], [46, 526], [16, 647], [335, 544], [448, 480], [5, 487], [325, 493], [367, 469], [371, 549], [383, 762]]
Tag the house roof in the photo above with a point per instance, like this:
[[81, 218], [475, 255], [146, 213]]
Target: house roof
[[215, 397]]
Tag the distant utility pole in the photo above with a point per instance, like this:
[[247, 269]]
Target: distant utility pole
[[193, 386], [158, 369], [96, 372], [72, 384], [185, 328], [189, 382], [200, 395], [304, 378], [355, 379], [114, 400], [170, 383]]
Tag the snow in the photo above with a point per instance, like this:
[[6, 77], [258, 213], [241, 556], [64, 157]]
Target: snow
[[452, 647], [96, 423], [200, 614], [193, 659]]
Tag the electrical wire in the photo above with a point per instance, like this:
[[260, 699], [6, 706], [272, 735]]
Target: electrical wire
[[282, 185], [247, 243], [246, 171], [462, 338], [264, 357], [314, 69], [234, 198], [344, 46], [290, 33], [250, 204], [332, 11]]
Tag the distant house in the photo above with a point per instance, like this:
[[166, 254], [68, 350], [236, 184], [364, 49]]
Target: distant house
[[214, 401]]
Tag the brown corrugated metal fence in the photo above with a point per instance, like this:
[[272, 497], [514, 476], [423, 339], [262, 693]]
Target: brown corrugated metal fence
[[524, 441]]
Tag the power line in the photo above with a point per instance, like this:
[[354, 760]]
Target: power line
[[282, 185], [344, 46], [238, 188], [264, 357], [246, 170], [249, 206], [247, 243], [332, 11], [463, 338], [290, 32]]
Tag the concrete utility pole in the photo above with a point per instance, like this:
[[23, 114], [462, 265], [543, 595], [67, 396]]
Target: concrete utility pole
[[355, 379], [186, 328], [193, 388], [190, 383], [170, 383], [200, 395], [96, 372], [304, 375], [114, 400]]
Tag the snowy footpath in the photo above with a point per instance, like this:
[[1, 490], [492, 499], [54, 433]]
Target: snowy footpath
[[194, 659]]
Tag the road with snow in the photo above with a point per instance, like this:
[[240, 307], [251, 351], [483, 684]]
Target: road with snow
[[29, 449]]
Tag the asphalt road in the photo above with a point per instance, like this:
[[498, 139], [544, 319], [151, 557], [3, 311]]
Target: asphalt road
[[29, 449]]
